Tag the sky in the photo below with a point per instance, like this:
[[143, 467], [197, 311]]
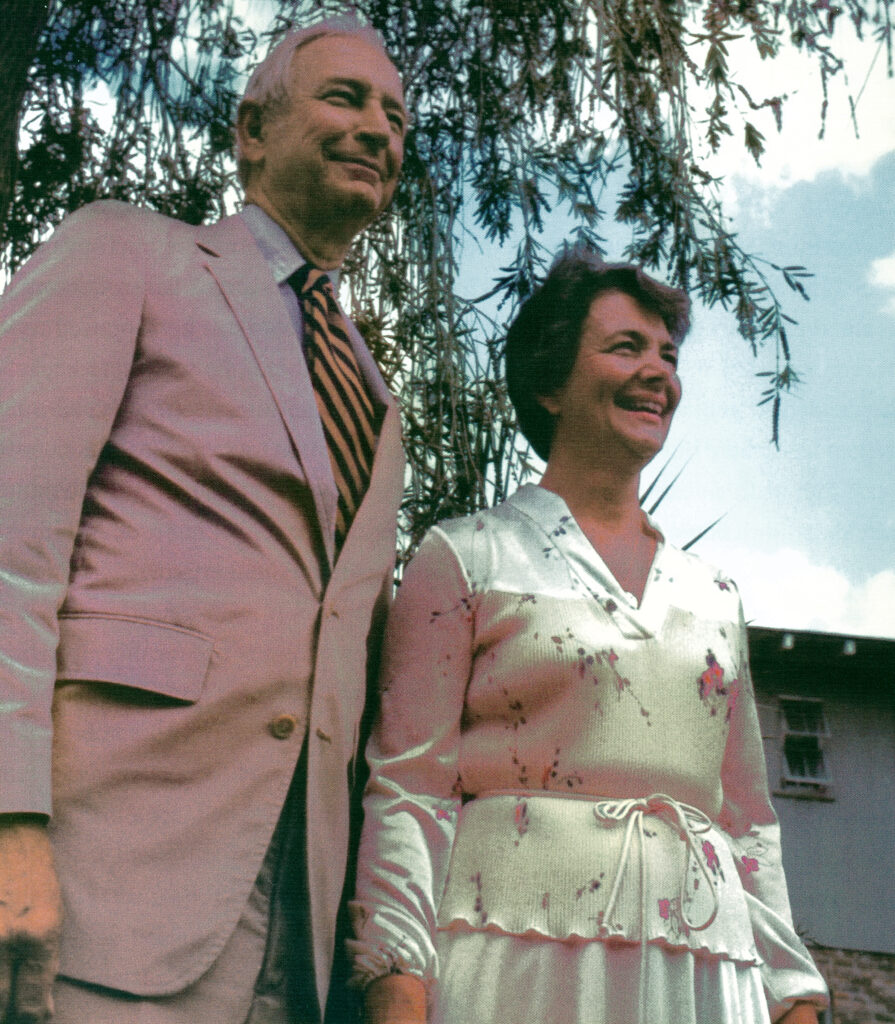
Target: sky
[[808, 531]]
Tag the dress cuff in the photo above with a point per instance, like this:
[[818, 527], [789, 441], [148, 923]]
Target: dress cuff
[[788, 972], [372, 962], [379, 951]]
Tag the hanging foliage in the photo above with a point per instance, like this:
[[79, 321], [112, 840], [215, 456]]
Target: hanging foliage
[[522, 109]]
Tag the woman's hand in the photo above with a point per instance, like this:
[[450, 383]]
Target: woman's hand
[[799, 1013], [395, 999]]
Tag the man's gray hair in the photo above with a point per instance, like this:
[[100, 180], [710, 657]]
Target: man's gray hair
[[268, 85]]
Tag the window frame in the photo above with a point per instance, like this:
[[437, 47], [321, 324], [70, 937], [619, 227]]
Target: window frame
[[818, 785]]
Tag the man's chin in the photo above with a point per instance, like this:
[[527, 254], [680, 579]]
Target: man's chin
[[357, 203]]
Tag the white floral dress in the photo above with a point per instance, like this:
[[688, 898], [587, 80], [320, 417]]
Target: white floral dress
[[568, 818]]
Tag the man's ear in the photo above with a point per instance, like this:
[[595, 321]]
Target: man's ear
[[250, 130]]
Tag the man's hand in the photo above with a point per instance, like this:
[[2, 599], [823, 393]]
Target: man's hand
[[30, 920]]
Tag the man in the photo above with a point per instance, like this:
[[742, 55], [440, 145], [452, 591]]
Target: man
[[197, 534]]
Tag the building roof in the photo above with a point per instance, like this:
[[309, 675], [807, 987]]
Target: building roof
[[866, 665]]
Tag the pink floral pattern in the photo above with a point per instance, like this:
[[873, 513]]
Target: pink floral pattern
[[724, 583], [670, 913], [521, 819], [447, 813], [715, 691], [476, 880], [554, 776], [711, 856]]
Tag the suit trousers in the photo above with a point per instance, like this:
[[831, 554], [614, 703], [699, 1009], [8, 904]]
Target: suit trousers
[[263, 975]]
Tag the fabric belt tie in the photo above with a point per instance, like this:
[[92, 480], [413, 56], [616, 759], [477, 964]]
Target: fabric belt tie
[[346, 410], [690, 822]]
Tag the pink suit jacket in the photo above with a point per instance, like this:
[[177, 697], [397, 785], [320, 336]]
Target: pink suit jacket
[[171, 626]]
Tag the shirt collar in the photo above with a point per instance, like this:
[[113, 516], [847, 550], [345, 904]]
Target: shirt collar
[[276, 246]]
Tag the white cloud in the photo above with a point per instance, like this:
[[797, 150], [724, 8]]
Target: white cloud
[[785, 589], [796, 153], [873, 604], [882, 274]]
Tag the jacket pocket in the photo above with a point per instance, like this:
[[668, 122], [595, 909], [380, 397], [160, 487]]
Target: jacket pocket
[[139, 653]]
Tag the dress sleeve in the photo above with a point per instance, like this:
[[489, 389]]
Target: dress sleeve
[[412, 798], [749, 819]]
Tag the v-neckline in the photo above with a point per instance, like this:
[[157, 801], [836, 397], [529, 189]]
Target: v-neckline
[[551, 515]]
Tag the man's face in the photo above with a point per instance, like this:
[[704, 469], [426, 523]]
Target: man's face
[[333, 156]]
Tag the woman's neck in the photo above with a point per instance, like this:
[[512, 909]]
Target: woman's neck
[[603, 497], [606, 507]]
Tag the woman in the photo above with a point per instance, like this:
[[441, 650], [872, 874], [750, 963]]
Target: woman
[[568, 818]]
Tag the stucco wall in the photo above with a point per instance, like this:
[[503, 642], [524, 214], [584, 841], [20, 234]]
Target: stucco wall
[[839, 853]]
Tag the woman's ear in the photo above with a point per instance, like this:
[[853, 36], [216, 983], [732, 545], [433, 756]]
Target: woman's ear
[[550, 402]]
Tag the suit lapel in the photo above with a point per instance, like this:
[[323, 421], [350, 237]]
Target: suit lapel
[[245, 280]]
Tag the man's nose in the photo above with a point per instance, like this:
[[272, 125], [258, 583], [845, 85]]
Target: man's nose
[[374, 125]]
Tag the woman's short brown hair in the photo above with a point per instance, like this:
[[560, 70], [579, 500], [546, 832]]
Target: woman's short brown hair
[[542, 342]]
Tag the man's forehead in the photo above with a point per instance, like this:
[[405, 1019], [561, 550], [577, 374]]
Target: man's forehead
[[348, 58]]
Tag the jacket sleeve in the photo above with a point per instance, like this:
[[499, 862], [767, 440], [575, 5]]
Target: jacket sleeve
[[68, 327], [749, 819], [412, 798]]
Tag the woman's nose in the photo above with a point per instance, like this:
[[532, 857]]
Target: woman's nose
[[656, 367]]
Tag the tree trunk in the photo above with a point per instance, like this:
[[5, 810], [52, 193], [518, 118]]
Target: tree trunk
[[20, 28]]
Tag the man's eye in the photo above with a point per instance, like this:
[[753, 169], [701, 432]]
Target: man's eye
[[397, 122], [341, 96]]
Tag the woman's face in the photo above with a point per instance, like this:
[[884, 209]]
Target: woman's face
[[623, 389]]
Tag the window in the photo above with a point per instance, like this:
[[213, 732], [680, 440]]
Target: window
[[804, 733], [803, 716], [804, 759]]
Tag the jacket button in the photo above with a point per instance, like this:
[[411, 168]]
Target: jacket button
[[283, 726]]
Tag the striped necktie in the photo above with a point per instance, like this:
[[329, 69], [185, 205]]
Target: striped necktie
[[346, 411]]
